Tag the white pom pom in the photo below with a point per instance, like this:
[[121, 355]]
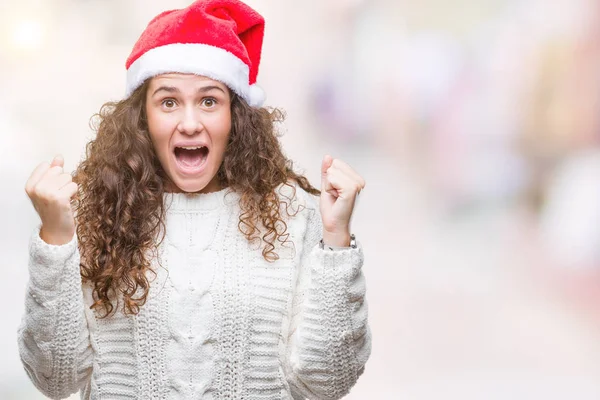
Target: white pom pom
[[256, 96]]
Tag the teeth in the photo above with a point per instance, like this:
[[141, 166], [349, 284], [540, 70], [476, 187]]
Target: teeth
[[191, 147]]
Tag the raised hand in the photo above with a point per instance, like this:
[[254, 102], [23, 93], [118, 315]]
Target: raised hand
[[340, 185], [50, 190]]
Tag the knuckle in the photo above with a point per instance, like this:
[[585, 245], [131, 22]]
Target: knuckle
[[34, 191]]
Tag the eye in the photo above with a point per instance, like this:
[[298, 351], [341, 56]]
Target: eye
[[168, 103], [209, 102]]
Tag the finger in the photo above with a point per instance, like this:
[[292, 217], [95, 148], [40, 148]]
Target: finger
[[47, 177], [57, 182], [35, 176], [342, 166], [50, 184], [53, 171], [325, 164], [58, 161], [343, 184], [69, 190]]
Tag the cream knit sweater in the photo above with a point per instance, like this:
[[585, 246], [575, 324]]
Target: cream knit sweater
[[220, 322]]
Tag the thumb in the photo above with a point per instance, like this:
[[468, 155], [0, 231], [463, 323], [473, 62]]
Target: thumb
[[57, 161], [325, 164]]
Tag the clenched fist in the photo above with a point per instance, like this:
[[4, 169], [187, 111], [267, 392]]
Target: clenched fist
[[50, 190], [340, 185]]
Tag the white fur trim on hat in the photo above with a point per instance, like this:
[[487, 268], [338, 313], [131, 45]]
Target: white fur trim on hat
[[193, 58]]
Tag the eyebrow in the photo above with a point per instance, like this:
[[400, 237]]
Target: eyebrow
[[173, 89]]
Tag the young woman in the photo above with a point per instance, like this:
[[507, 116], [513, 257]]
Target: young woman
[[185, 258]]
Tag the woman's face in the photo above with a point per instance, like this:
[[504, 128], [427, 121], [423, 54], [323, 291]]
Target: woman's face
[[189, 119]]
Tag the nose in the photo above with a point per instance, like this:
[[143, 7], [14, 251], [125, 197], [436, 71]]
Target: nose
[[190, 122]]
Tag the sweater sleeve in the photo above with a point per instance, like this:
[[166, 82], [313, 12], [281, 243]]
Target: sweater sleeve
[[330, 340], [53, 337]]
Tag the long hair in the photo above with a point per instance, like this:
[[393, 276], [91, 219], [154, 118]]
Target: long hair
[[119, 207]]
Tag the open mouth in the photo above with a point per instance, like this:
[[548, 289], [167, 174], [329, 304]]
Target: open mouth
[[191, 158]]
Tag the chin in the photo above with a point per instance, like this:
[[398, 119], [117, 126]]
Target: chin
[[185, 185], [191, 187]]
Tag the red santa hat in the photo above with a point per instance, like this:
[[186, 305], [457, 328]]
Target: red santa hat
[[219, 39]]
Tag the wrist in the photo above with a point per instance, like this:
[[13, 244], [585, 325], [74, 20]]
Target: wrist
[[336, 239], [352, 245], [55, 238]]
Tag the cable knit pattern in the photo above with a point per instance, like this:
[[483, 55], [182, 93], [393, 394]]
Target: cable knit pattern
[[193, 228], [220, 322]]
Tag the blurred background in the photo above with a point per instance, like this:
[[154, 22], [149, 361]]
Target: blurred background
[[476, 124]]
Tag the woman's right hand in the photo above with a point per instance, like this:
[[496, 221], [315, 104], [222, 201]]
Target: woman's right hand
[[50, 190]]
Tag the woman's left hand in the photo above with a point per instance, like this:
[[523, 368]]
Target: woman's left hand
[[340, 185]]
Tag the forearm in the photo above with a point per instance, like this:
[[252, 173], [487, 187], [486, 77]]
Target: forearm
[[330, 341], [53, 337]]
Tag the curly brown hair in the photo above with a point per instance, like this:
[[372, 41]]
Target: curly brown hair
[[120, 210]]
